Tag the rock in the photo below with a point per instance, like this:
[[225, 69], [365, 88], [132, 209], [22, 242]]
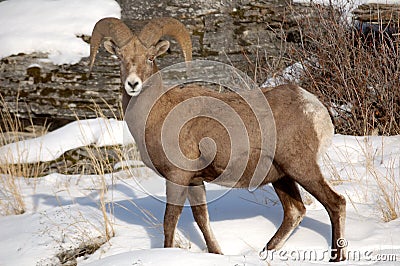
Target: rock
[[223, 30], [57, 95], [374, 12]]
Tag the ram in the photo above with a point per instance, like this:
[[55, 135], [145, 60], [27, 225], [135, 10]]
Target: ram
[[137, 52], [302, 125]]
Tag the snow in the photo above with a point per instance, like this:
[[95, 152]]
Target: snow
[[51, 26], [346, 6], [62, 211], [43, 234], [172, 257], [99, 131], [291, 73]]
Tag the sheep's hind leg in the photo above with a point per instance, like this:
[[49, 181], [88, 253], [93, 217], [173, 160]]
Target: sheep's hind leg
[[293, 209], [335, 204], [198, 203], [177, 191]]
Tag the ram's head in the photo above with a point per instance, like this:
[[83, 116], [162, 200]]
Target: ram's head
[[137, 52]]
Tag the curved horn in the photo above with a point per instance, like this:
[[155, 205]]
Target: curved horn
[[159, 27], [112, 28]]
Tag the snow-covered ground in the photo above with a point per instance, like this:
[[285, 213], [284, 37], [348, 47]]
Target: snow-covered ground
[[100, 132], [51, 26], [64, 213]]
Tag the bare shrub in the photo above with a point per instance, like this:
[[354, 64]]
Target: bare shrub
[[356, 76]]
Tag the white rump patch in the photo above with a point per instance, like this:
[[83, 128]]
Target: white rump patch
[[321, 120]]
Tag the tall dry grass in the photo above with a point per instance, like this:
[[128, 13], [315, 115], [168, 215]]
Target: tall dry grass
[[11, 199]]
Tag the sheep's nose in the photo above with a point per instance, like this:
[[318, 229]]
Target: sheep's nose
[[133, 85]]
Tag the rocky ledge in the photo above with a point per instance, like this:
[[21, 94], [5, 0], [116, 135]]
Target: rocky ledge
[[227, 31]]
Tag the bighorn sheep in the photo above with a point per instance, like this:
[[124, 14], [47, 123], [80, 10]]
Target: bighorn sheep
[[303, 131], [137, 53]]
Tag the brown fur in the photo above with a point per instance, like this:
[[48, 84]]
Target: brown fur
[[295, 161]]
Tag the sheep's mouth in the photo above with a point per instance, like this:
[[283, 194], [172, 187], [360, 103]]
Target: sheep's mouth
[[135, 92]]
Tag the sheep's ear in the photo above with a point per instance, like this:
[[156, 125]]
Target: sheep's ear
[[110, 47], [161, 47]]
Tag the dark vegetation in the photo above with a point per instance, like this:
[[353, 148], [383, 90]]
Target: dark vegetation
[[352, 66]]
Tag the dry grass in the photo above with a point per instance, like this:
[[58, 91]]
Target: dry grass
[[99, 162], [106, 206], [11, 174], [387, 185], [375, 177], [11, 200]]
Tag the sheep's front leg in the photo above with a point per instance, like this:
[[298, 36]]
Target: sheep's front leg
[[198, 202], [177, 192]]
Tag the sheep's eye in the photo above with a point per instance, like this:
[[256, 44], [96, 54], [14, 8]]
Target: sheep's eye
[[150, 60]]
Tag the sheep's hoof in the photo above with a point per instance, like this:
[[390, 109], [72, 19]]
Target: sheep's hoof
[[215, 250]]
